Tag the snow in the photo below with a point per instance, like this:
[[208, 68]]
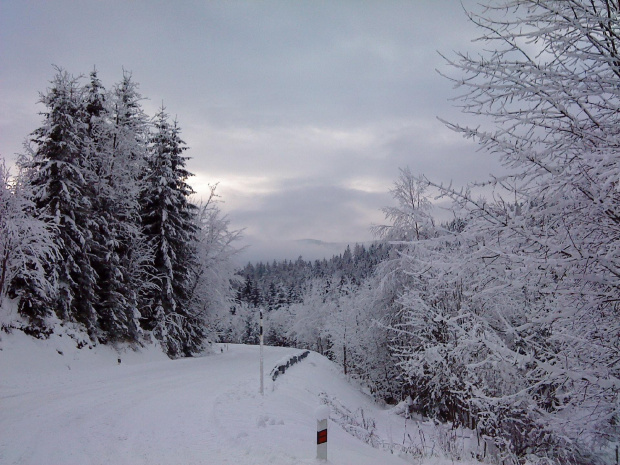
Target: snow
[[61, 405], [321, 412]]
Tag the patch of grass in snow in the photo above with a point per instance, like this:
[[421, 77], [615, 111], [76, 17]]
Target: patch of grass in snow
[[363, 427], [421, 441]]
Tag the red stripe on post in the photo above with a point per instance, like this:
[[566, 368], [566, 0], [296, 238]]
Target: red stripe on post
[[321, 436]]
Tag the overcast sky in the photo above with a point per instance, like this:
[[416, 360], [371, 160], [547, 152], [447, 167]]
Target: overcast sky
[[303, 111]]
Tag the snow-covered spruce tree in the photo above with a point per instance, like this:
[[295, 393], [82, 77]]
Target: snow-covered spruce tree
[[116, 151], [168, 221], [26, 247], [129, 146], [115, 313], [58, 172], [550, 89]]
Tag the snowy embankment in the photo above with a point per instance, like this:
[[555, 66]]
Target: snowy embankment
[[61, 405]]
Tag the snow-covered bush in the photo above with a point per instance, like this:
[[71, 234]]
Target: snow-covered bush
[[26, 248]]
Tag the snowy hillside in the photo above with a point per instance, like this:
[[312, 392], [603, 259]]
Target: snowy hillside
[[61, 405]]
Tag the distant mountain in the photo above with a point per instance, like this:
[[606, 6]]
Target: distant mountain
[[321, 243]]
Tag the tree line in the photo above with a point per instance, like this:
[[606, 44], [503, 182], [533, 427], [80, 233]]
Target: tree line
[[278, 283]]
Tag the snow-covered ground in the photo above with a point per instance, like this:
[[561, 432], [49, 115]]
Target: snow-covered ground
[[61, 405]]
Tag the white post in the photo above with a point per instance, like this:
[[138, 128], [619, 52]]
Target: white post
[[262, 390], [322, 414]]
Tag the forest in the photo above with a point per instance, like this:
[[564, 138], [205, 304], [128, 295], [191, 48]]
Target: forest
[[505, 319]]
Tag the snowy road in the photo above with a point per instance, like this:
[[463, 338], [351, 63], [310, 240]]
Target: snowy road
[[161, 412], [61, 409]]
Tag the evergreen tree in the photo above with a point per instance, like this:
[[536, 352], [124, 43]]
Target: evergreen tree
[[109, 303], [115, 208], [59, 177], [129, 147], [169, 226]]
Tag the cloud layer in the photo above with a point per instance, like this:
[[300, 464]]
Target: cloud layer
[[302, 111]]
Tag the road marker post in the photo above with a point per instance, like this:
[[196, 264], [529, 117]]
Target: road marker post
[[262, 384], [322, 414]]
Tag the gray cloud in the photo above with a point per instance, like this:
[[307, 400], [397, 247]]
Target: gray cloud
[[303, 111]]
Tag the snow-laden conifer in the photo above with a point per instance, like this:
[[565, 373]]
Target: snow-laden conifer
[[117, 145], [168, 221], [59, 173], [130, 140]]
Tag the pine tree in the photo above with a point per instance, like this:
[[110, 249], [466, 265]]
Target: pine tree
[[129, 147], [100, 190], [169, 226], [59, 177], [114, 201]]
